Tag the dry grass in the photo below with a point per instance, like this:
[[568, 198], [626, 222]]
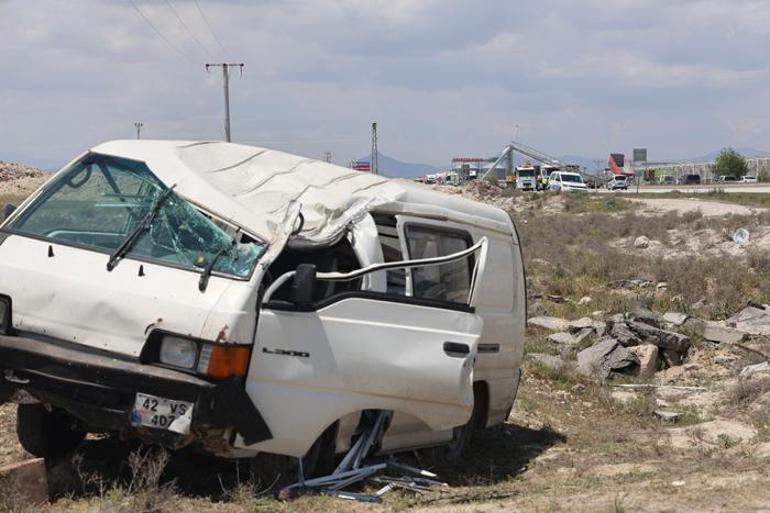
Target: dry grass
[[580, 261], [749, 199]]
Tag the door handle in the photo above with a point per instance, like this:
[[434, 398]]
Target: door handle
[[456, 350]]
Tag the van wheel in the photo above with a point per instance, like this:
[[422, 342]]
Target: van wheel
[[274, 471], [46, 434], [461, 439]]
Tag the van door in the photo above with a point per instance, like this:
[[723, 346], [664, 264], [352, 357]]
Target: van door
[[362, 350]]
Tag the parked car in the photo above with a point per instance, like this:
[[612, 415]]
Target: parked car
[[667, 180], [248, 301], [749, 179], [728, 179], [564, 181], [618, 182], [692, 179]]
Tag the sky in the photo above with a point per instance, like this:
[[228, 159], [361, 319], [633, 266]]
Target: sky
[[442, 78]]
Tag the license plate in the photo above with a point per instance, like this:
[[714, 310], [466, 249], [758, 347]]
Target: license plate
[[161, 413]]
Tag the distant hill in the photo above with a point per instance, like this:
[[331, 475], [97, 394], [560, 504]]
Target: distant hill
[[394, 168]]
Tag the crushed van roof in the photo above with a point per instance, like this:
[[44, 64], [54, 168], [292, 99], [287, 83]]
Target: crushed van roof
[[254, 187]]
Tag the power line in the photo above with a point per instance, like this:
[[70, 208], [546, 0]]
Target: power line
[[160, 34], [211, 30], [187, 27]]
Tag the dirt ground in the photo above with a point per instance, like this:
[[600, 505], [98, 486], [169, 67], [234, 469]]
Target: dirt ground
[[705, 207], [571, 444]]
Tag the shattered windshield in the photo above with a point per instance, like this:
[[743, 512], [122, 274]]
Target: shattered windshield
[[101, 200]]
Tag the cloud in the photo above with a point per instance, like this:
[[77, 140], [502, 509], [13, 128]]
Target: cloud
[[442, 77]]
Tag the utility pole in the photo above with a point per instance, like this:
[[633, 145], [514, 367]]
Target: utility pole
[[375, 168], [138, 125], [328, 157], [226, 82]]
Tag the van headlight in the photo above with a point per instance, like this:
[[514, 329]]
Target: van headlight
[[217, 361], [178, 352], [5, 315]]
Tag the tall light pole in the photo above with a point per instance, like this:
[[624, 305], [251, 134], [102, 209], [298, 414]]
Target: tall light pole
[[226, 83], [375, 163], [138, 125]]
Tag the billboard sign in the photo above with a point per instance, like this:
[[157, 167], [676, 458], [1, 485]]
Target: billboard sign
[[640, 154]]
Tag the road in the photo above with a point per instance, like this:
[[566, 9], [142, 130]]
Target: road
[[753, 188]]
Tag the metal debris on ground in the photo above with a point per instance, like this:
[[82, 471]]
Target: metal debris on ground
[[355, 468]]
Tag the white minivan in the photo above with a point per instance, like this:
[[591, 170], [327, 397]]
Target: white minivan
[[243, 301], [563, 181]]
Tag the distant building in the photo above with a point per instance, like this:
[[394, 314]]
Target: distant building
[[361, 165]]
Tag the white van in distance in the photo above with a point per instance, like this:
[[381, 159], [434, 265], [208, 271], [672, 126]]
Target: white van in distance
[[246, 301], [563, 181]]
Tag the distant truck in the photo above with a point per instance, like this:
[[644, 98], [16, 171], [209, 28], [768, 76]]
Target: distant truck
[[526, 178]]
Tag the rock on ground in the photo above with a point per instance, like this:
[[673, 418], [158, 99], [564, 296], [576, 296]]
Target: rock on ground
[[648, 359], [661, 338], [562, 338], [549, 323], [675, 318], [716, 332], [752, 320], [750, 370], [605, 358]]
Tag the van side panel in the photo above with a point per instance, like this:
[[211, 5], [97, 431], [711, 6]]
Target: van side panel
[[501, 303]]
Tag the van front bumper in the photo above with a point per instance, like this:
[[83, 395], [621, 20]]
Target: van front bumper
[[100, 390]]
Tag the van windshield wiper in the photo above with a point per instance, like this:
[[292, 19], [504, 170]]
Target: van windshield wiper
[[206, 273], [144, 225]]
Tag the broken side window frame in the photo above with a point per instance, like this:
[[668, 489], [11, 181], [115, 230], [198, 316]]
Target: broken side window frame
[[469, 306]]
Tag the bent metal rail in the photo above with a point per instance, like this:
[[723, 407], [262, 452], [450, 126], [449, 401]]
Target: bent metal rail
[[481, 245]]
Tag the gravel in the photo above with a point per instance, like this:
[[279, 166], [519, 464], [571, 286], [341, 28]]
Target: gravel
[[21, 180]]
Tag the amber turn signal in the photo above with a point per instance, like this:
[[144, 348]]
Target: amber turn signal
[[222, 361]]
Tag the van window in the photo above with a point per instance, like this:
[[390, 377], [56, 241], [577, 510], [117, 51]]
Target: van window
[[391, 252], [446, 282]]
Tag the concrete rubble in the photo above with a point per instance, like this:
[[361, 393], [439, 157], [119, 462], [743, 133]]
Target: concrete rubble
[[648, 359], [721, 334], [549, 323], [675, 318], [642, 342], [605, 359], [751, 370], [752, 320]]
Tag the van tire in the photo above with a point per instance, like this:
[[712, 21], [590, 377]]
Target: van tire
[[274, 471], [45, 434], [462, 435]]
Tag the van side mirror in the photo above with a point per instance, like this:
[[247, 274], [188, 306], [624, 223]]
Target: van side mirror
[[6, 211], [304, 284]]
